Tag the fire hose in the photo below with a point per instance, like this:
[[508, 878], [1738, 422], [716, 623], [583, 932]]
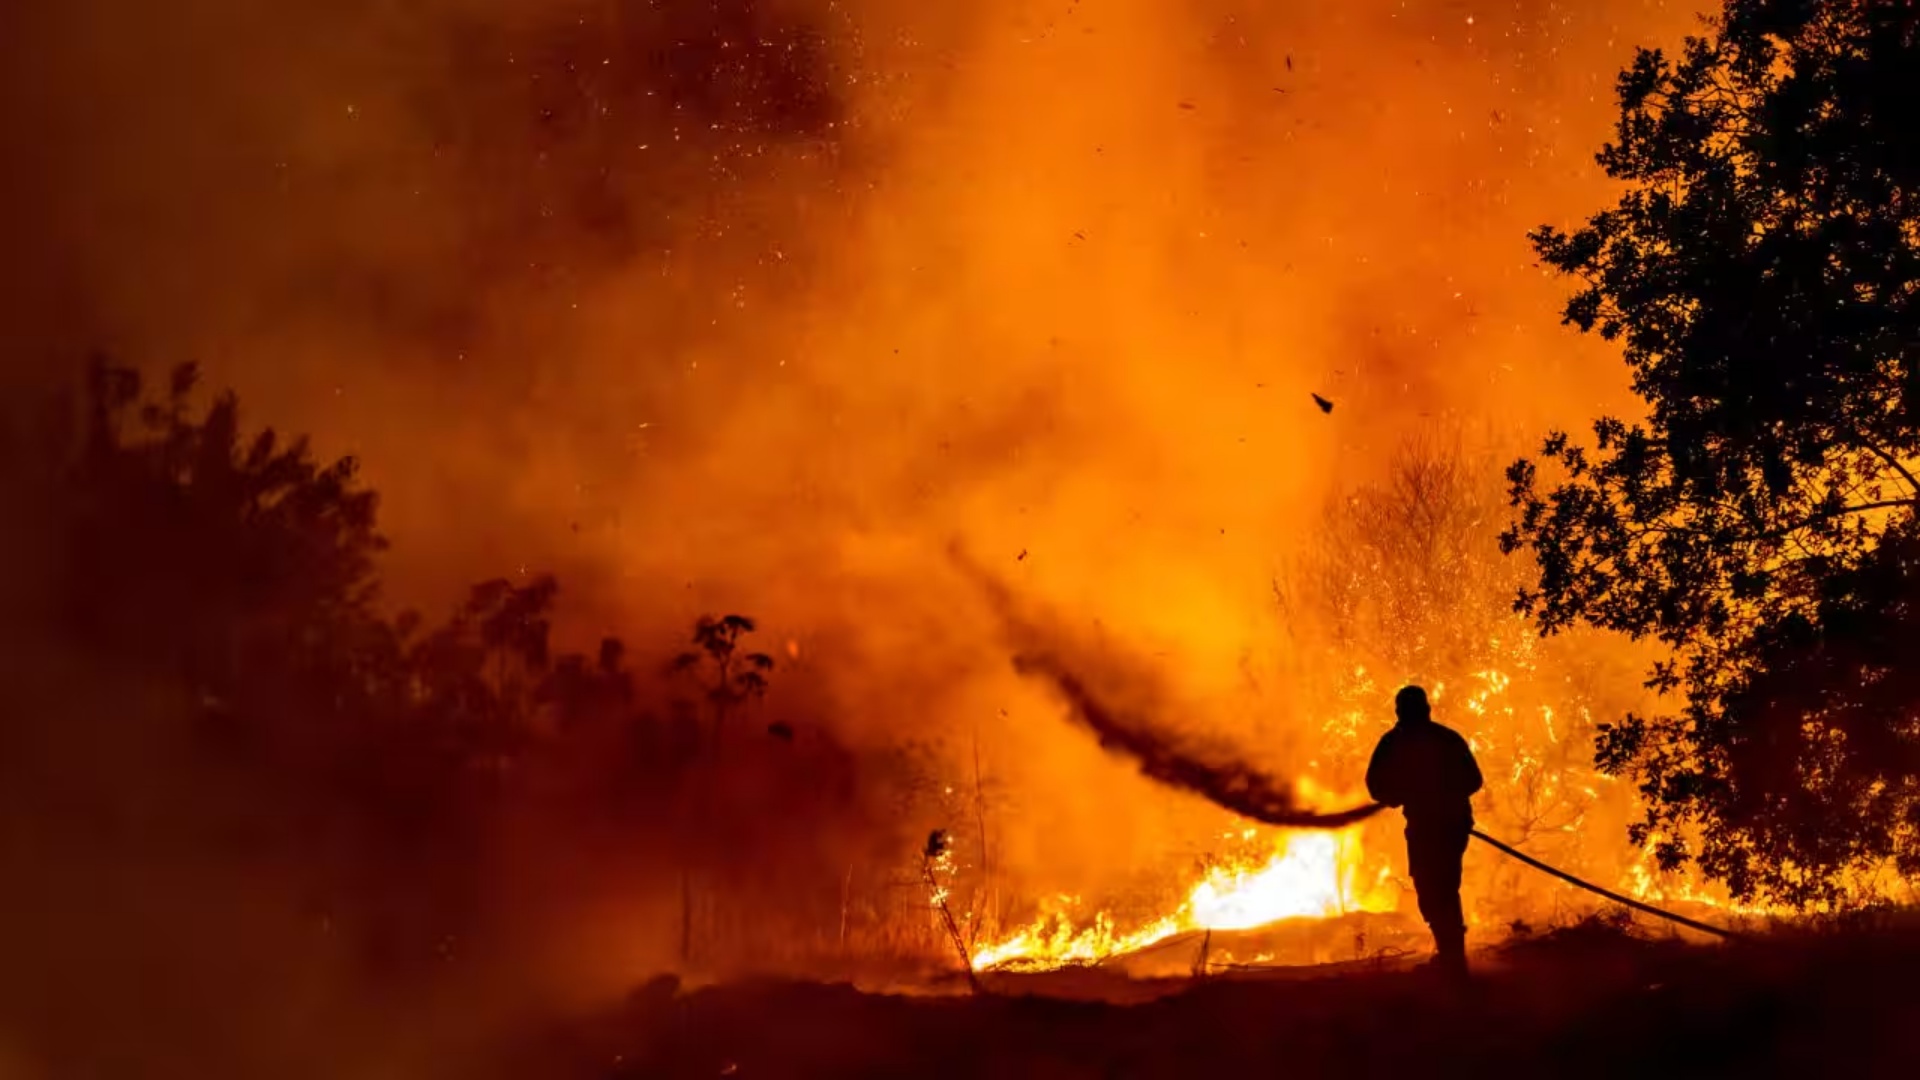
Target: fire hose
[[1516, 853], [1235, 786], [1637, 905]]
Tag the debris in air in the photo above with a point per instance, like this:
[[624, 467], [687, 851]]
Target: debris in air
[[1022, 557], [1325, 405]]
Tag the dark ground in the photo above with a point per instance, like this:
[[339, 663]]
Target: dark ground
[[1590, 1000]]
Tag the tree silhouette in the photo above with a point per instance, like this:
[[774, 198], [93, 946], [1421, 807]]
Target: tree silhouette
[[241, 566], [400, 764], [1761, 271], [477, 677], [726, 676], [583, 692]]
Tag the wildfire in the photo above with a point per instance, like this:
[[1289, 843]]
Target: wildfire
[[1645, 881], [1533, 747], [1303, 876]]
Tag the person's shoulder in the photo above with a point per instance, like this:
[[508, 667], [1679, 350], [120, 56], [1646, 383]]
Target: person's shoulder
[[1451, 735]]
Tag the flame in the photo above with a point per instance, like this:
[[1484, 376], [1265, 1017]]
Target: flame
[[1304, 875], [1646, 881], [1541, 783]]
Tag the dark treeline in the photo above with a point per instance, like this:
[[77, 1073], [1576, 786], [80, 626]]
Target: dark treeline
[[220, 588]]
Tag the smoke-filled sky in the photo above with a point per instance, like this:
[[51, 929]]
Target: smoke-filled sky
[[762, 306]]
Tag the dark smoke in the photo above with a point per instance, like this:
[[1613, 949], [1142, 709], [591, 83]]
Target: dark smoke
[[1116, 699], [1238, 787]]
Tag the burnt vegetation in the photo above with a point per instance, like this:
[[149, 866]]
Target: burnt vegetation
[[1404, 575]]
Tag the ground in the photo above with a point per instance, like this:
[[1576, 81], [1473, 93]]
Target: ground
[[1591, 1000]]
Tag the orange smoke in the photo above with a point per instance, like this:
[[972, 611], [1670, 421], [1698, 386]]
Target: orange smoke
[[764, 326]]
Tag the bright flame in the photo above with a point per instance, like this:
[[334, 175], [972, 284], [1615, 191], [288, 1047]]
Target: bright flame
[[1645, 881], [1307, 875]]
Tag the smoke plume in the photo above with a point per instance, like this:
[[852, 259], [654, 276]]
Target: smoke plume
[[1116, 698], [1232, 785]]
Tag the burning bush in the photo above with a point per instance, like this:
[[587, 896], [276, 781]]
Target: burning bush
[[1405, 582]]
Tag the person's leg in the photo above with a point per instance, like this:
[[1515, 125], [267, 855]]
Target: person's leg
[[1435, 861], [1451, 925], [1427, 865]]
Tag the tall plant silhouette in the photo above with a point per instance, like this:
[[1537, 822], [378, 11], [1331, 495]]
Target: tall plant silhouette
[[726, 675]]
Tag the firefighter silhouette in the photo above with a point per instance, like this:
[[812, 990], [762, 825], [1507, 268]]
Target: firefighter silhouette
[[1427, 770]]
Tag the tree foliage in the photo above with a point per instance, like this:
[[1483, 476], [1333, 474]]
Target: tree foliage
[[1761, 273], [208, 552], [238, 574]]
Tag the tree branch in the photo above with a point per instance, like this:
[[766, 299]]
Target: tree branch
[[1913, 483]]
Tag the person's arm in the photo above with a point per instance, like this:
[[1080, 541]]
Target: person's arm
[[1470, 769], [1380, 785]]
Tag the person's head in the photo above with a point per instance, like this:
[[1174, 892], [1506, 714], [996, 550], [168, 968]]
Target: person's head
[[1410, 705]]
